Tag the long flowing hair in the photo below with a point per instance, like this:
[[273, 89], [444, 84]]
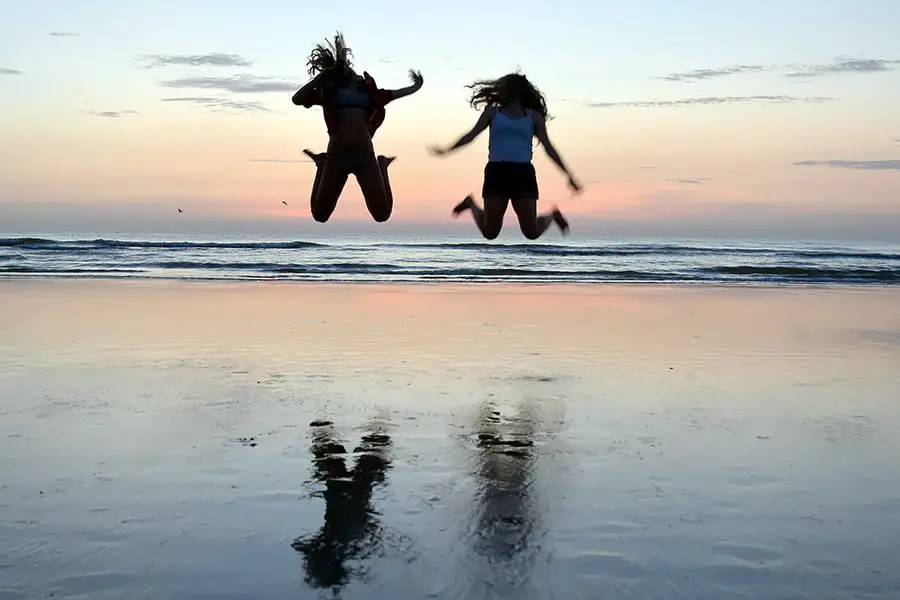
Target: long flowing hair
[[506, 90], [334, 55]]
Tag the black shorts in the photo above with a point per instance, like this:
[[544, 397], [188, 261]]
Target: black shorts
[[510, 181]]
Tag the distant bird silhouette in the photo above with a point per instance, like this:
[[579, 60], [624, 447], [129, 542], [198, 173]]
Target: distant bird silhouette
[[179, 210], [283, 202]]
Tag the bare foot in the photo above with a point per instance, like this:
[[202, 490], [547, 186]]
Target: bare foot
[[464, 205], [316, 158], [560, 221], [385, 161]]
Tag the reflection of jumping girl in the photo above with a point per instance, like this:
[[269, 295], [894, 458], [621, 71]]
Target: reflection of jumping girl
[[351, 530]]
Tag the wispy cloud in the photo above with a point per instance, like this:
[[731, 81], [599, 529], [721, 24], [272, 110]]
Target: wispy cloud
[[10, 72], [690, 181], [220, 104], [837, 66], [236, 84], [866, 165], [110, 114], [709, 100], [63, 34], [701, 74], [844, 65], [279, 160], [214, 59]]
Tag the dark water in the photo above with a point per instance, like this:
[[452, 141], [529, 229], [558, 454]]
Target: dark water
[[366, 260]]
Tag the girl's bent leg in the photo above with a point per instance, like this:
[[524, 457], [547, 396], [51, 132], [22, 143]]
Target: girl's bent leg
[[330, 181], [533, 226], [319, 160], [489, 220], [371, 182], [383, 163]]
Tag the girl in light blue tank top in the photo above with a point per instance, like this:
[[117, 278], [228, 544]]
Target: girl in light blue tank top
[[515, 113]]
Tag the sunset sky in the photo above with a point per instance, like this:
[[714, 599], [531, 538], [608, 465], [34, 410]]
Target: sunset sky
[[681, 118]]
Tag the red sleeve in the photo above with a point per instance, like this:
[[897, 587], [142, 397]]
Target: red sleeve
[[383, 97], [380, 97]]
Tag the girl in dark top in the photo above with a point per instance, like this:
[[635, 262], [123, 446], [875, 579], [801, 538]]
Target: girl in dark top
[[515, 111], [353, 108]]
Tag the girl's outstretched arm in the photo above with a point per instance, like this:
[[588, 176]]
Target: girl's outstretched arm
[[310, 93], [540, 132], [483, 121], [417, 79]]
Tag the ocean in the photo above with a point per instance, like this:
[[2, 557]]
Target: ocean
[[370, 259]]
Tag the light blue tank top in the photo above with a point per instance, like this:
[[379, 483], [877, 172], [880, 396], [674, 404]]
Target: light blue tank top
[[511, 138]]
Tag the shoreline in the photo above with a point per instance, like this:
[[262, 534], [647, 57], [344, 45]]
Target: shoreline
[[472, 284]]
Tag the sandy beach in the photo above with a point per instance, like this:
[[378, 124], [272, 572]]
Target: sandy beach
[[188, 440]]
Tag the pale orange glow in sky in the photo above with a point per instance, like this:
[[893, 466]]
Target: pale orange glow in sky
[[653, 117]]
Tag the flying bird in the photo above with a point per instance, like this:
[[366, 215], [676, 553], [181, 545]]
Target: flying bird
[[179, 210], [283, 202]]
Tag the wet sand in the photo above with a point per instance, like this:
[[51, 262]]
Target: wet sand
[[262, 440]]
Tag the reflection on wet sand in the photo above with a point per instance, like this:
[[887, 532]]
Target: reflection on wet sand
[[507, 519], [351, 531]]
